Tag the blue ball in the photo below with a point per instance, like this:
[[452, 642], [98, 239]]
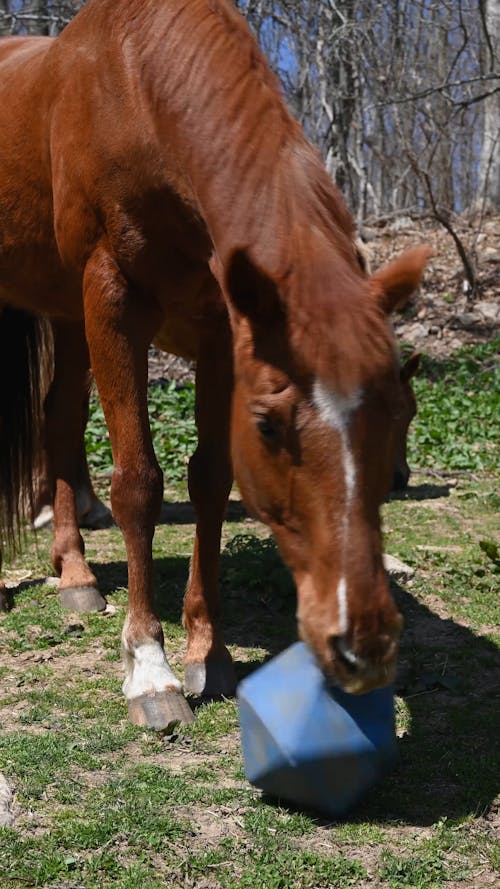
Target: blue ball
[[309, 743]]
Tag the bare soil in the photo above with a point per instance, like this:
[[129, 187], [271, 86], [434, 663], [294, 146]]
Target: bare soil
[[444, 314]]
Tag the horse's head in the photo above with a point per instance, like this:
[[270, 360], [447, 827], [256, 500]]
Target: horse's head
[[314, 433], [408, 409]]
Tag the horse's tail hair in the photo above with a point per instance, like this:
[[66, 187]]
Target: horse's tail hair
[[25, 368]]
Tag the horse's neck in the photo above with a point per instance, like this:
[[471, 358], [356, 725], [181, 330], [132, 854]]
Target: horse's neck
[[230, 144], [219, 108]]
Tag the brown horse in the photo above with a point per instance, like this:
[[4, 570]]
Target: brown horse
[[152, 179], [93, 514]]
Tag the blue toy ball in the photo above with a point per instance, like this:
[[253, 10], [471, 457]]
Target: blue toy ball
[[309, 743]]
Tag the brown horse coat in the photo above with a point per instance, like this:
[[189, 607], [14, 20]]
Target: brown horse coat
[[151, 178]]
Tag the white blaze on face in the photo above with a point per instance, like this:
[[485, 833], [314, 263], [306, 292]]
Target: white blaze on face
[[343, 619], [146, 669], [336, 411]]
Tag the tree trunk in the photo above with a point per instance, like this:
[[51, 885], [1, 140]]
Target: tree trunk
[[489, 170]]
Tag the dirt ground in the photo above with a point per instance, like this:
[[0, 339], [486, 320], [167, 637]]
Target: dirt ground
[[443, 315]]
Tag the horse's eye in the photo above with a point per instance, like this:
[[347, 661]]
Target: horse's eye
[[268, 428]]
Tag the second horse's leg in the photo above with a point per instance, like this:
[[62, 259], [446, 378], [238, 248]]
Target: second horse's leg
[[91, 512]]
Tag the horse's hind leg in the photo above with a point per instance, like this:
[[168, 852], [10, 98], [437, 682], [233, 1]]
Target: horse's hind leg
[[208, 666], [64, 424], [91, 512], [120, 325]]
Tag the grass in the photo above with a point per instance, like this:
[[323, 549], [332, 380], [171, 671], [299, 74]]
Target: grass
[[457, 426], [171, 412], [458, 422], [101, 803]]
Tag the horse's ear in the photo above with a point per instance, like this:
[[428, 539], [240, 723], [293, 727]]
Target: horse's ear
[[250, 290], [410, 367], [394, 283]]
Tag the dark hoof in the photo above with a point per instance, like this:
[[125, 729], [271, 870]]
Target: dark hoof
[[210, 679], [97, 518], [6, 599], [82, 598], [160, 710], [400, 481]]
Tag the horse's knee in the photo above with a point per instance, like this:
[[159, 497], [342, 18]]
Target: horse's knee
[[136, 494]]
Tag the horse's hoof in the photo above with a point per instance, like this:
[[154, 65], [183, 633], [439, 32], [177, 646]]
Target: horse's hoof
[[160, 710], [82, 598], [97, 518], [210, 679], [44, 519], [6, 598]]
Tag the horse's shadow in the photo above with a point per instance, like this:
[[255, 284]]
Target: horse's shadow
[[421, 492], [182, 512], [445, 682]]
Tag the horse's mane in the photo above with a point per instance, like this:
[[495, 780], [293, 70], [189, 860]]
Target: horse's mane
[[251, 173]]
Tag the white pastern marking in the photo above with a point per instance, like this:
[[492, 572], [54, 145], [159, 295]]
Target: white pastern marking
[[147, 670], [336, 411]]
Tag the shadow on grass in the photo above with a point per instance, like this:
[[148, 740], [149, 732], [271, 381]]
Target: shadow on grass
[[182, 513], [449, 764], [449, 757], [421, 492]]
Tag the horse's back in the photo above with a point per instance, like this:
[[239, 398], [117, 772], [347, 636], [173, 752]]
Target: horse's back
[[23, 81], [17, 53], [31, 275]]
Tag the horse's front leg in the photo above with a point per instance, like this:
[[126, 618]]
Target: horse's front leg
[[208, 665], [120, 324], [64, 425]]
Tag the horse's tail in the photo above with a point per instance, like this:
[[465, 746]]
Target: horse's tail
[[25, 368]]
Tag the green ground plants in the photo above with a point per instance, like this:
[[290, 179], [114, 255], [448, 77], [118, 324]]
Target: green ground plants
[[457, 426], [458, 422], [101, 803], [171, 413]]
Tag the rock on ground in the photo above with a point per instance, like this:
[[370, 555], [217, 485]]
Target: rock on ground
[[398, 570], [6, 816]]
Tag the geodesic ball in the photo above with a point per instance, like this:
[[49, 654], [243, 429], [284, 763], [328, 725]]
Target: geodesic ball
[[309, 743]]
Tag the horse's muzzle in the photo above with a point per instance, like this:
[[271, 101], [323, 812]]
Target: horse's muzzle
[[357, 673]]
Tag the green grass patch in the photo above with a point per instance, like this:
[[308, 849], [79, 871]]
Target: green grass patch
[[278, 865], [101, 803], [457, 426], [171, 415], [113, 804], [458, 421]]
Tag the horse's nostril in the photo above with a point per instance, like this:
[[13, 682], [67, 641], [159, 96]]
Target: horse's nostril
[[345, 654]]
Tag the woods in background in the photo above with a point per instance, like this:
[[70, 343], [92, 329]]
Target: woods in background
[[402, 97]]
